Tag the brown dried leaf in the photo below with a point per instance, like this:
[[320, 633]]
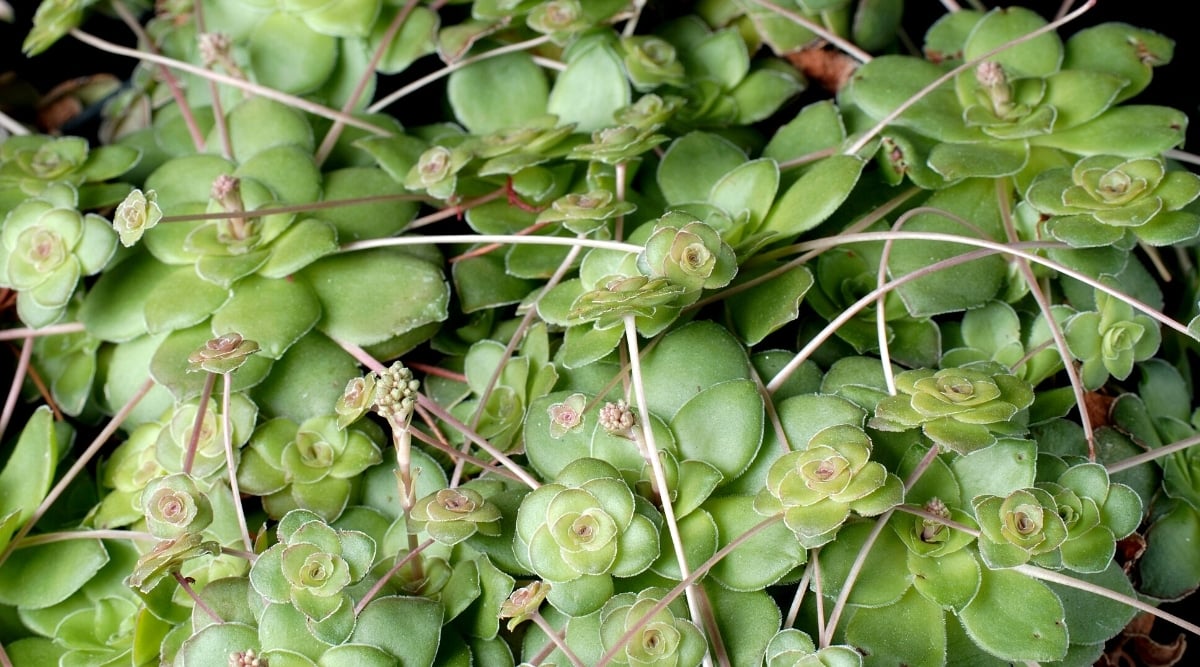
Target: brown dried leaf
[[827, 66], [69, 98], [1098, 408], [1134, 647]]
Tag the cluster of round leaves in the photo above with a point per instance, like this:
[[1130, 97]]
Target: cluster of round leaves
[[1073, 522], [46, 246], [818, 487], [584, 529], [312, 565], [961, 409], [588, 526]]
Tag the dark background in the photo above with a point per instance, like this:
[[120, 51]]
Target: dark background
[[23, 79], [1173, 85]]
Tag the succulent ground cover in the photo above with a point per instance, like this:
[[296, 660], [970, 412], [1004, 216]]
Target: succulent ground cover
[[645, 351]]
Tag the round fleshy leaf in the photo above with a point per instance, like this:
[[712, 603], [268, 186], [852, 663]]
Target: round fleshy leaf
[[581, 596], [804, 416], [273, 313], [949, 581], [827, 183], [1122, 510], [698, 532], [911, 631], [747, 188], [348, 18], [1089, 552], [818, 126], [482, 282], [181, 299], [591, 89], [722, 426], [1168, 568], [108, 162], [993, 159], [765, 308], [1036, 57], [955, 288], [408, 628], [752, 617], [721, 56], [35, 577], [762, 92], [1092, 619], [214, 644], [761, 560], [694, 163], [287, 55], [1015, 617], [1079, 96], [113, 309], [359, 307], [286, 166], [417, 37], [97, 244], [307, 379], [259, 123], [366, 221], [697, 481], [27, 473], [1130, 131], [498, 93], [356, 655], [997, 470], [696, 355], [281, 626], [883, 578], [300, 245]]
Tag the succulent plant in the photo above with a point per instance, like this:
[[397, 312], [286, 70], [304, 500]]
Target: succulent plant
[[618, 296], [567, 416], [586, 212], [1096, 512], [356, 400], [1022, 526], [135, 214], [167, 558], [818, 487], [961, 409], [47, 247], [174, 447], [452, 515], [791, 647], [1102, 198], [313, 465], [523, 603], [436, 172], [661, 638], [312, 565], [222, 354], [688, 253], [651, 62], [582, 530], [929, 537], [558, 18], [1109, 340], [175, 505], [617, 144], [670, 339]]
